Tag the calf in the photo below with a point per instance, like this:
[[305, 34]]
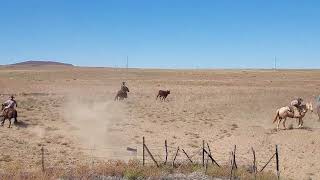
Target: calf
[[163, 94]]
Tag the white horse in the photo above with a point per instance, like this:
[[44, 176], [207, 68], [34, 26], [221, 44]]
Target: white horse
[[285, 112]]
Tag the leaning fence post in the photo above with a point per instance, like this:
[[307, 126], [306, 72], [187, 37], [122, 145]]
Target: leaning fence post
[[187, 156], [42, 158], [153, 159], [267, 162], [143, 159], [166, 147], [213, 161], [277, 161], [175, 156]]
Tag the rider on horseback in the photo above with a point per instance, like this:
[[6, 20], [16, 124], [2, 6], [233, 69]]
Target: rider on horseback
[[10, 103], [124, 89], [296, 104]]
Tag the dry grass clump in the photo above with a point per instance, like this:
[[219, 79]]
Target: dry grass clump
[[131, 170]]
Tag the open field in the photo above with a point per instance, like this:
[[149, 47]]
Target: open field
[[69, 110]]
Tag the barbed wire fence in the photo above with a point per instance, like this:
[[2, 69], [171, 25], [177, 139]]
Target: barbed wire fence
[[173, 156]]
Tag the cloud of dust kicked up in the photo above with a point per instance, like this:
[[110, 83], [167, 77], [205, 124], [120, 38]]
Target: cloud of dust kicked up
[[92, 120]]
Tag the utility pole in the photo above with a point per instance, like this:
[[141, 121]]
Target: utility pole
[[275, 63], [127, 65]]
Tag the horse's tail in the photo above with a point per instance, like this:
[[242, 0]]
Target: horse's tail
[[277, 115]]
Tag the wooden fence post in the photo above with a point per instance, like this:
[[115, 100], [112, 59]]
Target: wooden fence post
[[213, 161], [187, 155], [203, 153], [143, 159], [154, 160], [166, 147], [277, 161], [254, 163], [42, 159], [232, 165], [267, 162], [234, 157], [175, 156], [209, 149]]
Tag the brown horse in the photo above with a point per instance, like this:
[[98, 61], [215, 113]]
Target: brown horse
[[9, 114], [122, 94]]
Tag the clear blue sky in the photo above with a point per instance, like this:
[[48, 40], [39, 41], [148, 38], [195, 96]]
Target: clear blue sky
[[162, 33]]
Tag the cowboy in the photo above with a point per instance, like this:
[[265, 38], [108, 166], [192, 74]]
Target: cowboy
[[124, 89], [123, 86], [10, 103], [296, 103]]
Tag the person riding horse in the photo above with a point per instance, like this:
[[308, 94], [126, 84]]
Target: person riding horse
[[10, 103], [9, 111], [296, 105], [122, 93], [124, 89]]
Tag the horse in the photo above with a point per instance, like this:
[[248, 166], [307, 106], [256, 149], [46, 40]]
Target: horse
[[9, 114], [162, 94], [284, 112], [122, 94]]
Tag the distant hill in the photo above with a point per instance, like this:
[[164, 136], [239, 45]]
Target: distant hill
[[40, 63]]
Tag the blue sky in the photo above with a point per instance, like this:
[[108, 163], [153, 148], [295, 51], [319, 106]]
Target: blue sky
[[162, 33]]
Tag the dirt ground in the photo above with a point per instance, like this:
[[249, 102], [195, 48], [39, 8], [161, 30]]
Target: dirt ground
[[71, 112]]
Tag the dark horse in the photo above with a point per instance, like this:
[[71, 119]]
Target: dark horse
[[9, 114], [122, 94]]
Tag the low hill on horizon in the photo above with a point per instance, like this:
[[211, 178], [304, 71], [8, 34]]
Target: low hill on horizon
[[40, 63]]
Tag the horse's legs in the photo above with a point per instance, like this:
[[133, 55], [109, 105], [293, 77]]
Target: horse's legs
[[2, 122], [279, 120], [284, 123], [301, 122], [9, 123]]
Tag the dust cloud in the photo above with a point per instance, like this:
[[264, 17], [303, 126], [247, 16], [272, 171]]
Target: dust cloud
[[92, 120]]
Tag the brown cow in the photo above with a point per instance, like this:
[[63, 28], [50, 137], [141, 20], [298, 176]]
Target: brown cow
[[163, 94]]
